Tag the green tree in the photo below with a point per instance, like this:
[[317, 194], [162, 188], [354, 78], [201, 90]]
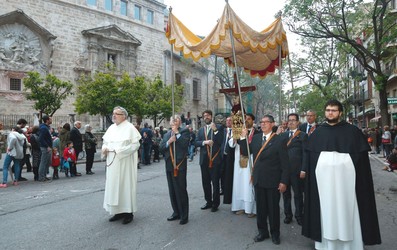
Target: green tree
[[47, 93], [345, 21]]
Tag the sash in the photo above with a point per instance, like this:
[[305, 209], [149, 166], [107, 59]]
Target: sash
[[208, 150], [311, 130], [176, 166], [260, 151], [297, 132]]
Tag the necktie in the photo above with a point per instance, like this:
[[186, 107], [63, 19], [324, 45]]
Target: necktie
[[230, 133], [308, 128], [263, 139], [208, 130], [290, 134]]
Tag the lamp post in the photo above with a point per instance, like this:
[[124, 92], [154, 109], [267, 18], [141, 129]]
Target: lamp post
[[362, 84]]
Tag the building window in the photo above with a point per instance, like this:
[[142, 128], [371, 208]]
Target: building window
[[137, 12], [123, 7], [394, 4], [15, 84], [196, 90], [149, 17], [112, 60], [109, 5], [91, 2]]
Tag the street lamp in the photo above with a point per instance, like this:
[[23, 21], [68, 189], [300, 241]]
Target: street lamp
[[362, 84]]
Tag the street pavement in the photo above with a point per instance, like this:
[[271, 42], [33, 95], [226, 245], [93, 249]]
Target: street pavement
[[68, 214]]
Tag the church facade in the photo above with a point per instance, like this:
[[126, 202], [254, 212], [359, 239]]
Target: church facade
[[68, 38]]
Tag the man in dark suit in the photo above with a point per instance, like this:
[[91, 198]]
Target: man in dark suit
[[309, 126], [297, 142], [270, 177], [210, 139], [227, 165], [175, 165], [75, 137]]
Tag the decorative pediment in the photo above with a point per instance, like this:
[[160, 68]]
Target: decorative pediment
[[113, 33]]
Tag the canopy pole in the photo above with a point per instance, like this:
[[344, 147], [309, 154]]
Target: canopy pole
[[292, 83], [173, 96], [281, 85], [239, 86], [213, 103]]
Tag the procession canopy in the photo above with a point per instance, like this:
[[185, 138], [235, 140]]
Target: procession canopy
[[256, 52]]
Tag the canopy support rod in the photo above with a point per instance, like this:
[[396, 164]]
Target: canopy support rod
[[173, 95], [292, 83], [281, 86], [239, 86], [213, 103]]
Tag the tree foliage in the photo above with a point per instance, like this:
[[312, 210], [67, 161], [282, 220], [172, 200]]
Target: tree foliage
[[364, 30], [47, 93], [144, 99]]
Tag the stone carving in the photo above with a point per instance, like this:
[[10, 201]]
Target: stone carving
[[19, 47]]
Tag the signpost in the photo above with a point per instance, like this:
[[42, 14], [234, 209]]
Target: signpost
[[392, 100]]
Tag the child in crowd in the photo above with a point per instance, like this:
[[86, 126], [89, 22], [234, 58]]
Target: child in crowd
[[69, 155], [56, 161]]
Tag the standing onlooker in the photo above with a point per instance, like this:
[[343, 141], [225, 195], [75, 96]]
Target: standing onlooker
[[210, 139], [36, 152], [64, 138], [76, 138], [191, 143], [55, 162], [45, 141], [90, 142], [21, 123], [156, 144], [174, 146], [15, 143], [69, 156], [2, 140], [120, 146], [147, 144], [340, 207], [387, 141]]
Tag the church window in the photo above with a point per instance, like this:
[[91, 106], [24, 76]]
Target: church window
[[91, 2], [196, 90], [149, 17], [15, 84], [109, 5], [137, 12], [123, 7]]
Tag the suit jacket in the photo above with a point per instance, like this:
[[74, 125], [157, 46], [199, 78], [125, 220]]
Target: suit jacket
[[181, 148], [75, 137], [225, 145], [296, 152], [271, 168], [216, 147], [303, 127]]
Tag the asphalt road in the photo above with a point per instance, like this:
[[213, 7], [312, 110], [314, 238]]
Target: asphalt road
[[68, 214]]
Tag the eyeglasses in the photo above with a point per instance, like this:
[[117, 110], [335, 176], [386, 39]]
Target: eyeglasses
[[266, 122], [331, 110], [117, 114]]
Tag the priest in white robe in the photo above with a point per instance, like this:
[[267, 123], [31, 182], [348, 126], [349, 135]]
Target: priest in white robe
[[243, 196], [120, 147]]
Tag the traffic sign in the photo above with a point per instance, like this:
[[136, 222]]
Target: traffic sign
[[392, 100]]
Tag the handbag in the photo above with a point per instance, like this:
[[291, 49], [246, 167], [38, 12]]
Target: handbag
[[243, 161], [66, 164]]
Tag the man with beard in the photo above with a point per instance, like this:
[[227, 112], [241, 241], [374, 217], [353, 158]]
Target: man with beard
[[176, 168], [340, 209], [210, 139]]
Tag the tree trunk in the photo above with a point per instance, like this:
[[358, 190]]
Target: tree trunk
[[383, 106]]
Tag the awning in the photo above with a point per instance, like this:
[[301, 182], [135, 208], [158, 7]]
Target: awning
[[375, 119]]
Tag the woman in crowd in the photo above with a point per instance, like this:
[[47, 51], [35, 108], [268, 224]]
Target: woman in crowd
[[64, 137], [36, 152], [387, 141], [90, 148]]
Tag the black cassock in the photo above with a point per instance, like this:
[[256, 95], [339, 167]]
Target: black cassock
[[343, 138]]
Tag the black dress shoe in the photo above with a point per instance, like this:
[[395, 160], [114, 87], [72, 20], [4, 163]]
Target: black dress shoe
[[276, 240], [128, 218], [299, 221], [214, 209], [287, 220], [183, 222], [90, 173], [116, 217], [261, 237], [173, 217], [206, 206]]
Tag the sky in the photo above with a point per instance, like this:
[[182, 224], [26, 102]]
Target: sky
[[200, 16]]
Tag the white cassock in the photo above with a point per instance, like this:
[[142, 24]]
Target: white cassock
[[243, 197], [121, 175], [338, 203]]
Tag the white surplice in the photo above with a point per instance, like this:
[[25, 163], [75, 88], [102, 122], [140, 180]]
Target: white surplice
[[121, 175], [340, 221], [243, 197]]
